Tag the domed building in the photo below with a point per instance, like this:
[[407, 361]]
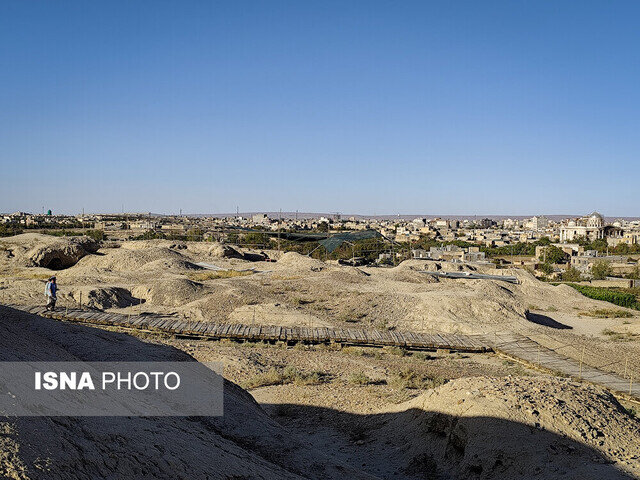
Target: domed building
[[591, 227], [595, 220]]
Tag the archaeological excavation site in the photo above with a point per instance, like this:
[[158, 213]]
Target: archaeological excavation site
[[330, 371]]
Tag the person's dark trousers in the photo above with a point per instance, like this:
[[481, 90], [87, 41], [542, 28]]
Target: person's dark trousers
[[51, 304]]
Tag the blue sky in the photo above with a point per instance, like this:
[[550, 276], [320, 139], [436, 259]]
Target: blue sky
[[461, 107]]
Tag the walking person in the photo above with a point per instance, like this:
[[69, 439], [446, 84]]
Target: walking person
[[51, 290]]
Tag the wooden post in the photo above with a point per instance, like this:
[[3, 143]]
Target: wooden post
[[631, 383], [80, 300], [581, 360], [626, 362]]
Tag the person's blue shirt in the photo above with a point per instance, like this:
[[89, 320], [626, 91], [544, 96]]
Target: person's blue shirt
[[51, 289]]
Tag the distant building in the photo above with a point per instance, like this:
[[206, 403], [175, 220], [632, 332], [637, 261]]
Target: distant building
[[451, 253], [539, 222], [590, 227], [260, 218]]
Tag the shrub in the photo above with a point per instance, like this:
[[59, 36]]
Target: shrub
[[272, 377], [408, 378], [359, 378]]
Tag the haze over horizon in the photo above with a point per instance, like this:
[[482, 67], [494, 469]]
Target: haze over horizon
[[465, 108]]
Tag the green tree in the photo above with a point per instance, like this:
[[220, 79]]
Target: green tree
[[543, 241], [553, 254], [195, 233], [95, 234], [601, 270], [571, 274], [599, 245], [546, 268]]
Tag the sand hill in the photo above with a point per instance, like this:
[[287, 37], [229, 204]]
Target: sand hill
[[244, 443]]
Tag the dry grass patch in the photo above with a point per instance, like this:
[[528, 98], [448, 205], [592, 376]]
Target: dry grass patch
[[408, 378], [214, 275], [26, 275], [359, 378], [287, 375], [618, 336], [607, 313]]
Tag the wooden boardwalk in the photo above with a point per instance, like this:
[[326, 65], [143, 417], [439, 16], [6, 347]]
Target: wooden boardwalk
[[518, 347], [272, 333], [523, 348]]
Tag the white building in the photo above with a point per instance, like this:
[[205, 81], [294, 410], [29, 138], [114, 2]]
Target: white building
[[591, 227]]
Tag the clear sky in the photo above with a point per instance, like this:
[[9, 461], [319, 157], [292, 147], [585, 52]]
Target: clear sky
[[449, 107]]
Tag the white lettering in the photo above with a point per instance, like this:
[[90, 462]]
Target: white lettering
[[135, 382], [166, 378], [67, 380], [112, 378], [126, 380], [86, 382], [50, 380], [155, 375]]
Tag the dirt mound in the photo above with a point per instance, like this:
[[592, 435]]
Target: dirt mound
[[411, 265], [127, 259], [300, 262], [224, 251], [170, 264], [171, 292], [103, 297], [55, 253], [408, 271], [514, 428], [244, 443]]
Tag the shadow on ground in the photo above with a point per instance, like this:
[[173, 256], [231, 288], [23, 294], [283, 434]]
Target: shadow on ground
[[546, 321], [422, 444]]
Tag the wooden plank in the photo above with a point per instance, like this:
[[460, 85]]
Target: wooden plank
[[165, 324], [179, 326], [135, 321], [170, 324], [215, 329], [153, 322]]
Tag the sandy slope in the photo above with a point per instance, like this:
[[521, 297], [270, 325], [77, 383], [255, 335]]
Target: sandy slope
[[158, 276], [245, 443]]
